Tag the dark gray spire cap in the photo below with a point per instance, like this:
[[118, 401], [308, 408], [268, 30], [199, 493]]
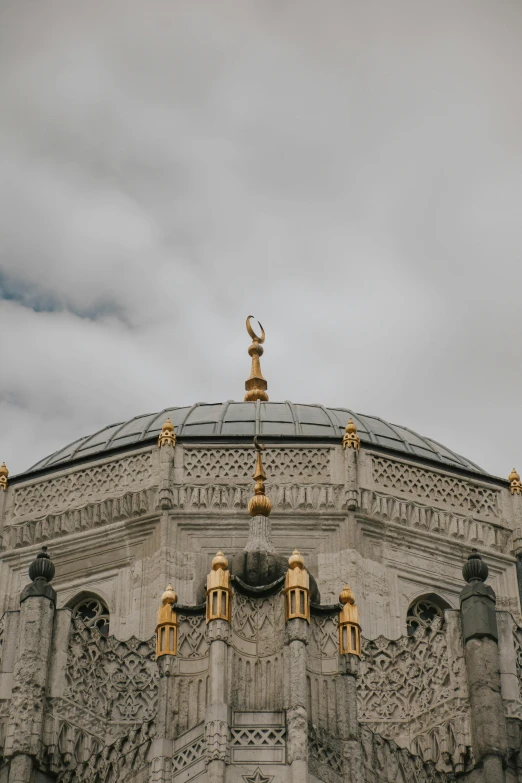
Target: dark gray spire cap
[[475, 570], [41, 571]]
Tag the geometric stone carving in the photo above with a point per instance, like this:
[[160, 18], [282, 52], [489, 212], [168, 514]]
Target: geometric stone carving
[[384, 761], [325, 755], [405, 694], [83, 485], [189, 754], [258, 736], [436, 487], [112, 680], [117, 762], [257, 652], [306, 464], [447, 523], [192, 637], [258, 777]]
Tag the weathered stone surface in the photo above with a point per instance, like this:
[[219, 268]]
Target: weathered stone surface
[[487, 710], [26, 715]]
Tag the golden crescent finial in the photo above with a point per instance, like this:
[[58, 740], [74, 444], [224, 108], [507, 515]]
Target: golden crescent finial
[[259, 446], [251, 332], [255, 385]]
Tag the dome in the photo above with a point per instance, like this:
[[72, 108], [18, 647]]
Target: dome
[[270, 420]]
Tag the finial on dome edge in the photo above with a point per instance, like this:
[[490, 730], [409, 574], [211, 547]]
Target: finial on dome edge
[[256, 385], [167, 436], [259, 505], [4, 474], [515, 485], [351, 440]]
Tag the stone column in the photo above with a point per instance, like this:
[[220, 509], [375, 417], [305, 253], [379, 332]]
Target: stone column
[[297, 618], [26, 718], [480, 636], [296, 639], [347, 719], [218, 627], [216, 715]]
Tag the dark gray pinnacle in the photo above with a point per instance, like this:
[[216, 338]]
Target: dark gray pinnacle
[[475, 570], [42, 567]]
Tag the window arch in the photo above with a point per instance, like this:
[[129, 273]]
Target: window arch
[[92, 611], [424, 611]]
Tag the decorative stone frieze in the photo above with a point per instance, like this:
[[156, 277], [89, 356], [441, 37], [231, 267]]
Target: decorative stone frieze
[[445, 523], [289, 464], [128, 506], [402, 477], [83, 485]]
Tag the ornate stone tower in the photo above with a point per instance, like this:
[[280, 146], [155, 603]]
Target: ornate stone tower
[[317, 622]]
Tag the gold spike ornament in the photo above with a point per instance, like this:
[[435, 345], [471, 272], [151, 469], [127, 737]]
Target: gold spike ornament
[[167, 436], [349, 628], [4, 473], [515, 483], [259, 505], [350, 438], [167, 625], [218, 589], [297, 589], [256, 385]]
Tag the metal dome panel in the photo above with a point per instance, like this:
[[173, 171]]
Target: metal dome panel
[[284, 420]]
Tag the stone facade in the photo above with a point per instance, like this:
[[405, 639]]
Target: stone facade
[[259, 699]]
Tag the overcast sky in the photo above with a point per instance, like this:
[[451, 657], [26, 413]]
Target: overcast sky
[[349, 172]]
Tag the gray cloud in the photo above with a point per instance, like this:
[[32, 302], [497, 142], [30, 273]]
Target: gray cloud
[[350, 173]]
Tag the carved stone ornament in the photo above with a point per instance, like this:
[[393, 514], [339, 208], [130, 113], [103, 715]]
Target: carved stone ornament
[[258, 777]]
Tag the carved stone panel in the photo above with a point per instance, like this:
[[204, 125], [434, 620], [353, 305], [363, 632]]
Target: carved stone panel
[[80, 486], [287, 464], [462, 494]]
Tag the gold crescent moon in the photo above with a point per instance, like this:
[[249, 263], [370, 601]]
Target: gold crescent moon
[[251, 332], [259, 446]]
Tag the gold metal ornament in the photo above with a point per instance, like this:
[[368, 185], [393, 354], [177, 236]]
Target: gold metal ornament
[[218, 590], [349, 628], [167, 436], [259, 505], [350, 438], [515, 483], [4, 473], [167, 625], [297, 589], [255, 385]]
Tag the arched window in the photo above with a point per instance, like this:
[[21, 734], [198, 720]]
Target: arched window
[[93, 612], [424, 610]]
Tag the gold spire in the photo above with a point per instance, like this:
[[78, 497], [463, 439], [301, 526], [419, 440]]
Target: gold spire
[[350, 438], [516, 485], [349, 628], [259, 505], [167, 436], [256, 385], [4, 473]]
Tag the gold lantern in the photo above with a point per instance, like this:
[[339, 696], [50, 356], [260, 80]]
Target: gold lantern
[[349, 628], [218, 589], [167, 625], [297, 589]]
